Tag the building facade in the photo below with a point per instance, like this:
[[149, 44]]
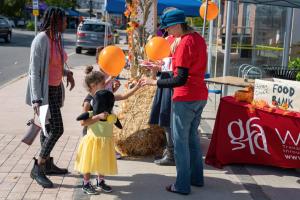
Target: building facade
[[258, 34], [96, 4]]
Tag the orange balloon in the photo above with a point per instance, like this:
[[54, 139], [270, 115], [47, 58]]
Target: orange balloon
[[112, 60], [212, 10], [157, 48]]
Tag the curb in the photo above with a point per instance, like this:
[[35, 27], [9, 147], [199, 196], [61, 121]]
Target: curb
[[13, 80], [23, 76]]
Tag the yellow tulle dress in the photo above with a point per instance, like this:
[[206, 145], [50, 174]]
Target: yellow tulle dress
[[96, 151]]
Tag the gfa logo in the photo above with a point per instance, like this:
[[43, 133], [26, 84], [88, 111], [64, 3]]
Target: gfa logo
[[254, 136]]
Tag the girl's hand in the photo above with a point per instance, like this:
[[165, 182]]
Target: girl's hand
[[102, 116], [116, 85], [138, 84]]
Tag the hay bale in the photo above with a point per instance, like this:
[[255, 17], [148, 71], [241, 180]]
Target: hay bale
[[138, 138]]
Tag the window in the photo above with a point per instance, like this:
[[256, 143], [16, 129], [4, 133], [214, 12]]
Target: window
[[93, 27], [3, 22]]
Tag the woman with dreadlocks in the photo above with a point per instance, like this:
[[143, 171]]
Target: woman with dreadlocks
[[45, 87]]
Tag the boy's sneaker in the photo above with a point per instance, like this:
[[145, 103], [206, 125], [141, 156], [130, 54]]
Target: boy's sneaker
[[102, 186], [89, 189]]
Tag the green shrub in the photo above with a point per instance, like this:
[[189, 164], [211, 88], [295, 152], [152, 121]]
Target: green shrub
[[298, 77], [294, 63], [196, 21], [30, 26]]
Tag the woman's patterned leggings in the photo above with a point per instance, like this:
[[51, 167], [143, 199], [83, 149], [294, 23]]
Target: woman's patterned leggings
[[56, 128]]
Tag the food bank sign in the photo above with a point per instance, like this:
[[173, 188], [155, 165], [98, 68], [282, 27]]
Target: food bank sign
[[284, 93]]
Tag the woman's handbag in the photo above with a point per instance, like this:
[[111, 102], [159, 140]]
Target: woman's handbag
[[32, 131]]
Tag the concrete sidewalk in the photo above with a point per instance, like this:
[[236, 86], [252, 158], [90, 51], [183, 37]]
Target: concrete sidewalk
[[137, 179]]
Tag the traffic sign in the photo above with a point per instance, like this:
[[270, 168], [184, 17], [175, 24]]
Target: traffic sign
[[35, 4], [35, 12]]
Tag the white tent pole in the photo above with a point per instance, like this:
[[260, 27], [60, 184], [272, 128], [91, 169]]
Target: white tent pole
[[210, 41], [287, 37], [106, 27], [204, 20], [227, 42], [217, 39]]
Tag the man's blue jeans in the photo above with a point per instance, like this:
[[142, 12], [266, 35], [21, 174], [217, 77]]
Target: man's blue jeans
[[188, 154]]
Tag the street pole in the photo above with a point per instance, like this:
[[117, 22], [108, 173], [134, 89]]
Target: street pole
[[154, 7], [287, 38], [35, 25], [91, 8], [35, 12], [106, 26]]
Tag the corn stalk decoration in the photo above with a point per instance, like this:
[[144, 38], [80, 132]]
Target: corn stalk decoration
[[138, 137], [138, 13]]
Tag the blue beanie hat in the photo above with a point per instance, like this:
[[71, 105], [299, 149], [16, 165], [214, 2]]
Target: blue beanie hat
[[171, 18]]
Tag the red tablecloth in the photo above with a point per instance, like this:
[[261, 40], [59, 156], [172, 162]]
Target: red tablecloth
[[242, 135]]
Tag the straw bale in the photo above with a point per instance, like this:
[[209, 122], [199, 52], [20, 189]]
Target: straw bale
[[138, 138]]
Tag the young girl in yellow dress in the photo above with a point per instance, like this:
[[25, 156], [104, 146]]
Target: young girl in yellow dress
[[96, 151]]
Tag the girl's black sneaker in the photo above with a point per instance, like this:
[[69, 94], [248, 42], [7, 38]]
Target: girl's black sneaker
[[102, 186], [89, 189]]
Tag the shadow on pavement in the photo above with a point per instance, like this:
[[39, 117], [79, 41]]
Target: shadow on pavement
[[152, 186]]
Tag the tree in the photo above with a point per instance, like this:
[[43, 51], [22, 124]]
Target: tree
[[138, 137], [137, 34], [62, 3], [13, 8]]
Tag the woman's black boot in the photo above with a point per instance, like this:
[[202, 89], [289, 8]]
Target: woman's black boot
[[167, 159], [38, 174], [51, 168]]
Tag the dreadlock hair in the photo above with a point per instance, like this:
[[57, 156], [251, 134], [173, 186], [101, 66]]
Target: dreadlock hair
[[53, 20]]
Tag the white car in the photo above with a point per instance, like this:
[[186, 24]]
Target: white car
[[91, 34], [21, 22]]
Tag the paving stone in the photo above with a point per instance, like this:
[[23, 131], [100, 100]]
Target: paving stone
[[34, 187], [4, 193], [15, 196], [64, 195], [32, 195], [48, 196]]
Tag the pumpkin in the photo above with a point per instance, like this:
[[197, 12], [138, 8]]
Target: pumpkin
[[260, 104], [245, 95]]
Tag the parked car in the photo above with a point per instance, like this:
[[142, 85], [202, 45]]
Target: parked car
[[21, 23], [5, 29], [91, 34]]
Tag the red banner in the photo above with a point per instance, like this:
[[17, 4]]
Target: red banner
[[243, 135]]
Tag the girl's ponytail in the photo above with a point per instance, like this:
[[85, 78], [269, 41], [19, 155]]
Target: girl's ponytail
[[88, 69], [92, 77]]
